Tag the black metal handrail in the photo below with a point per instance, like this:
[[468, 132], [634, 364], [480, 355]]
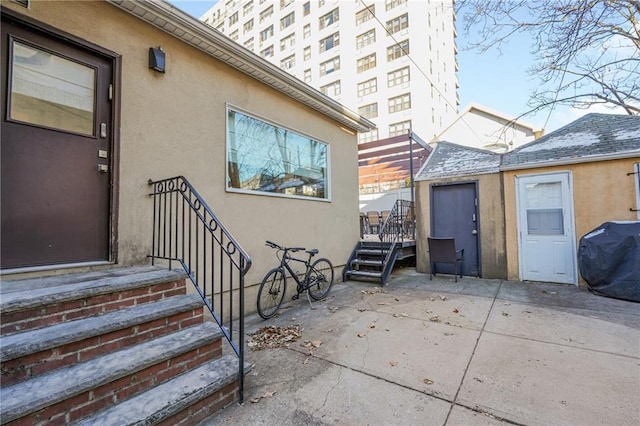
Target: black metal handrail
[[399, 225], [186, 230]]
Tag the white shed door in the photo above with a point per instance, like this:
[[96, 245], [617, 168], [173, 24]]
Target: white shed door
[[545, 227]]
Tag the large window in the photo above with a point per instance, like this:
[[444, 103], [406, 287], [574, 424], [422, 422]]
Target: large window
[[366, 39], [366, 63], [369, 111], [398, 24], [369, 86], [330, 66], [399, 103], [269, 159], [365, 14], [398, 50], [288, 20], [397, 77], [329, 18], [330, 42]]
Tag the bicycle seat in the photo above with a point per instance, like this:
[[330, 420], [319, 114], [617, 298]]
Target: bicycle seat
[[313, 252]]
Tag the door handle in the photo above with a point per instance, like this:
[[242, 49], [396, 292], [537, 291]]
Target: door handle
[[474, 232], [103, 168]]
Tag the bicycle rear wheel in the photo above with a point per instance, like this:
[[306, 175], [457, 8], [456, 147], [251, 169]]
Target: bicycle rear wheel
[[271, 293], [320, 278]]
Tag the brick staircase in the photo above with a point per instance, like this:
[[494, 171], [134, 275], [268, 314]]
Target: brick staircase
[[116, 347]]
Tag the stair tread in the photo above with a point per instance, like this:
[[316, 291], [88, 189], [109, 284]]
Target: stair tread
[[33, 341], [31, 293], [171, 397], [26, 397], [365, 273], [366, 262]]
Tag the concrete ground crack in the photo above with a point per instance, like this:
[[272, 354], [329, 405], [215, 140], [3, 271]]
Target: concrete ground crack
[[329, 392]]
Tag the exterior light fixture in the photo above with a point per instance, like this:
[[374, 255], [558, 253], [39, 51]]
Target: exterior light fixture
[[157, 59]]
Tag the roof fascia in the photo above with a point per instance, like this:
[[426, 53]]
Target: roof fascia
[[193, 32], [578, 160]]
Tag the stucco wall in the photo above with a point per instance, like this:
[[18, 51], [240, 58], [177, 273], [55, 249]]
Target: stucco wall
[[491, 218], [602, 192], [174, 124]]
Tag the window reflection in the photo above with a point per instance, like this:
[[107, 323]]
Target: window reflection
[[267, 158], [51, 91]]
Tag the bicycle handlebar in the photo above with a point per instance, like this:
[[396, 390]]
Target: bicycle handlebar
[[274, 245]]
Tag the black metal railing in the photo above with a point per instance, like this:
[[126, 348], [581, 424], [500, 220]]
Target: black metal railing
[[186, 231], [399, 226]]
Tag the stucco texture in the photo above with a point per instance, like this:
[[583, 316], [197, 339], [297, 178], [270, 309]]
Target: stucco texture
[[175, 124], [490, 215], [602, 192]]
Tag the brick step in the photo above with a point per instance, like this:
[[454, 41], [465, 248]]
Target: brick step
[[34, 352], [35, 303], [184, 400], [69, 394]]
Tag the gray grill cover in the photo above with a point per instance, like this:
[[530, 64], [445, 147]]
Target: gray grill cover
[[609, 259]]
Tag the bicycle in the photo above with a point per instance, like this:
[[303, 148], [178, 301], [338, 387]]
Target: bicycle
[[316, 282]]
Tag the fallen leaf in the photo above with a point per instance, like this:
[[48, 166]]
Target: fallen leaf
[[329, 330], [433, 299], [362, 335], [316, 343], [397, 300], [505, 314], [383, 303], [268, 394], [361, 309], [427, 381], [254, 400], [372, 325], [404, 314], [434, 318], [306, 361], [455, 310], [393, 363], [442, 297]]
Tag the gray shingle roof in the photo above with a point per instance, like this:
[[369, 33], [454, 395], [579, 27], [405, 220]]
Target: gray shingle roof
[[592, 135], [451, 160], [589, 138]]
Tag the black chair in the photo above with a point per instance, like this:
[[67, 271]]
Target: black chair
[[443, 250]]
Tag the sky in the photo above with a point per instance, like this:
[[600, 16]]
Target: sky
[[495, 79]]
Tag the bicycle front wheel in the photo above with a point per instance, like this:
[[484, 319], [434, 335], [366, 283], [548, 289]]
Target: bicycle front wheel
[[320, 278], [271, 293]]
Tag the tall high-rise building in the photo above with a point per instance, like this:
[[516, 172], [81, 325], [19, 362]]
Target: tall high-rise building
[[392, 61]]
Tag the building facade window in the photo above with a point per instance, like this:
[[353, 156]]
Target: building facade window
[[288, 42], [267, 158], [366, 39], [288, 20], [266, 33], [266, 14], [367, 87], [330, 66], [233, 18], [288, 62], [285, 3], [307, 53], [329, 18], [369, 136], [401, 128], [247, 8], [306, 8], [268, 52], [369, 111], [398, 24], [400, 103], [332, 89], [397, 50], [306, 31], [398, 77], [390, 4], [330, 42], [365, 14], [249, 44], [234, 35], [248, 26], [307, 75], [366, 63]]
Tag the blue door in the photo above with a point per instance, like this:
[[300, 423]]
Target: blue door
[[454, 213]]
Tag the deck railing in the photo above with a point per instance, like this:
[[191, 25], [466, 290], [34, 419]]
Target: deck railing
[[185, 230], [398, 227]]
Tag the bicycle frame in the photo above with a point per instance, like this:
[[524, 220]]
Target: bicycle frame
[[284, 263]]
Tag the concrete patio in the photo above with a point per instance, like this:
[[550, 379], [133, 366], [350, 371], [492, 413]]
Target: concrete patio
[[475, 352]]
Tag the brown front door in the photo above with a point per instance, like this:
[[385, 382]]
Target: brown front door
[[55, 150]]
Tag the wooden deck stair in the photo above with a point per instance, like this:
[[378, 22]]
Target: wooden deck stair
[[121, 346], [367, 261]]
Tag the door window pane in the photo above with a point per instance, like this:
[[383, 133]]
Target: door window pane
[[544, 208], [51, 91]]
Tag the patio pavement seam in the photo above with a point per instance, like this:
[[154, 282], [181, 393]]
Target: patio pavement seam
[[466, 369]]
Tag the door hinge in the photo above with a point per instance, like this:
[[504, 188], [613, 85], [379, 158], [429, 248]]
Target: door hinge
[[111, 92]]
